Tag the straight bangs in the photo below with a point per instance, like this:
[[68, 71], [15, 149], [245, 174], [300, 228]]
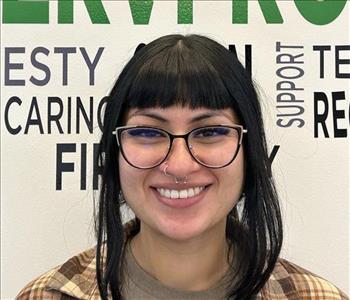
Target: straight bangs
[[177, 76]]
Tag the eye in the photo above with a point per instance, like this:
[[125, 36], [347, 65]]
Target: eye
[[145, 132], [211, 132]]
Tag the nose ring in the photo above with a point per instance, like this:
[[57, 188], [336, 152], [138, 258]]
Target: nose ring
[[165, 173], [178, 180]]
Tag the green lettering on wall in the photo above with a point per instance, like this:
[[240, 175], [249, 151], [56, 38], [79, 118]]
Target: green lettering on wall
[[95, 10], [65, 12], [184, 11], [320, 12], [141, 11], [21, 11], [269, 9], [239, 11]]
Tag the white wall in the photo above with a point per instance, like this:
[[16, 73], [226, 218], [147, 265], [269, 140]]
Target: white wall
[[42, 227]]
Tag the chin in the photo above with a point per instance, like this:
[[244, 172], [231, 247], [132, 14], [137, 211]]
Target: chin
[[183, 229]]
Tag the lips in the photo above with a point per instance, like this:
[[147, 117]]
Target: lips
[[180, 198]]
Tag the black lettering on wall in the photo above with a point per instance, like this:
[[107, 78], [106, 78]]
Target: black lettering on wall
[[339, 61], [83, 167], [338, 114], [9, 128], [54, 117], [247, 55], [40, 66], [13, 66], [273, 153], [320, 117], [81, 111], [63, 166], [97, 170], [322, 49], [34, 120]]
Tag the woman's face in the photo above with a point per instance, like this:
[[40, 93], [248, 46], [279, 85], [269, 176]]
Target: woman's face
[[211, 205]]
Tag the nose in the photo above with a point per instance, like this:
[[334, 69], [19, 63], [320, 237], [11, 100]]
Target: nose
[[180, 161]]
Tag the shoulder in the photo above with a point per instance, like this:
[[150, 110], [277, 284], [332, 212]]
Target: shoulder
[[75, 279], [294, 282]]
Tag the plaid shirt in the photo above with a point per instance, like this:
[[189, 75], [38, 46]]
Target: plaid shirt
[[76, 279]]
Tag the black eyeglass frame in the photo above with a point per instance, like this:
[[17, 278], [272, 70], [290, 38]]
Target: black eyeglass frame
[[118, 131]]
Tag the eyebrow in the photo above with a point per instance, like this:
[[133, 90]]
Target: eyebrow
[[150, 115], [195, 119]]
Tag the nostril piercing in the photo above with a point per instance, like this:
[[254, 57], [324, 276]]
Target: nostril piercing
[[164, 171], [177, 180]]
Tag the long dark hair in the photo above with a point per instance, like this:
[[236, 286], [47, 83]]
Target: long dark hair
[[192, 71]]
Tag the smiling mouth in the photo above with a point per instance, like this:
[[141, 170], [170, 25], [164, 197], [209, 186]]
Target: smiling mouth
[[180, 194]]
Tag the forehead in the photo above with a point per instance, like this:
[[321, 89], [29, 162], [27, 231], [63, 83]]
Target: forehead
[[182, 114]]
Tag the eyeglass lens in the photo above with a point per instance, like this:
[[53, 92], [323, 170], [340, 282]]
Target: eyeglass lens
[[213, 146]]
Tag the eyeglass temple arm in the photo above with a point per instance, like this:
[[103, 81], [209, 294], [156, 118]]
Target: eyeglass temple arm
[[243, 131], [116, 134]]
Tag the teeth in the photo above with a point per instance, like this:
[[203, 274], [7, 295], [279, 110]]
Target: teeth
[[180, 194], [174, 194]]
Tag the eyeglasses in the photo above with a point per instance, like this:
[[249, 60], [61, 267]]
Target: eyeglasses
[[146, 147]]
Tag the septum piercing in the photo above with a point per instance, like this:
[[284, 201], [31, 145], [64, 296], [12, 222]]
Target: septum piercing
[[177, 179], [181, 180]]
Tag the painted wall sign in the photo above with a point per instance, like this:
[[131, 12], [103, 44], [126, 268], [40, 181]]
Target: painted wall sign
[[318, 12], [59, 60]]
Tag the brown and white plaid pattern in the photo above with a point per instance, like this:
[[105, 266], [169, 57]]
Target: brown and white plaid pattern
[[76, 279]]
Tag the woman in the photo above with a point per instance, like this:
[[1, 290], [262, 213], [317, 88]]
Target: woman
[[183, 145]]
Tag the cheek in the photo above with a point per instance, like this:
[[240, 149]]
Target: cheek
[[131, 181], [233, 180], [127, 177]]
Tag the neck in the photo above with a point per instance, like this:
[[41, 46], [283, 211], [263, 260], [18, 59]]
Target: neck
[[192, 265]]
